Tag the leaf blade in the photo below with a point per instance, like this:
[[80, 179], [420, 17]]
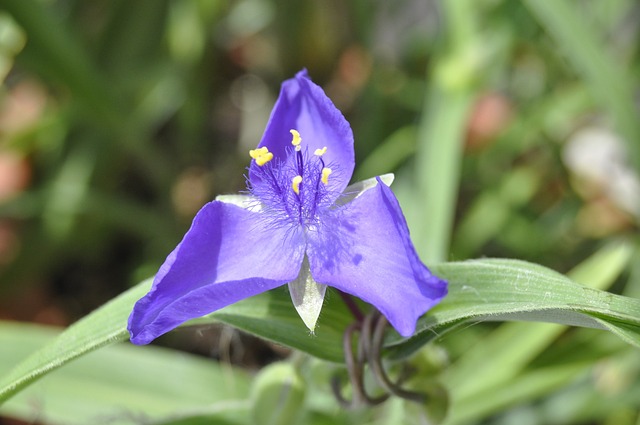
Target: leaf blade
[[514, 290], [121, 382], [490, 289]]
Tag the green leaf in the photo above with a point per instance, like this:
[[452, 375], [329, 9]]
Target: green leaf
[[513, 290], [479, 290], [502, 354], [273, 316], [120, 382], [501, 360], [270, 315]]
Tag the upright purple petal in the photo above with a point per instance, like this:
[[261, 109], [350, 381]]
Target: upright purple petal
[[365, 250], [228, 254], [303, 106]]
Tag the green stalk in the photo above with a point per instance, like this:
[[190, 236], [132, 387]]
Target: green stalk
[[441, 134], [439, 159]]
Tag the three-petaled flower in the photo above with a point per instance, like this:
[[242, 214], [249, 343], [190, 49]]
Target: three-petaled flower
[[299, 225]]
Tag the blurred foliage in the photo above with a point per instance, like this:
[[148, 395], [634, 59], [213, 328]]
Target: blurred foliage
[[513, 129]]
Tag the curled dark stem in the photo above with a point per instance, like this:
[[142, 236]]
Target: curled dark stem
[[355, 369], [375, 360], [352, 306], [369, 350], [364, 350]]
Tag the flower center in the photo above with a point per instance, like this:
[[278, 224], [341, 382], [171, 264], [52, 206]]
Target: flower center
[[292, 189]]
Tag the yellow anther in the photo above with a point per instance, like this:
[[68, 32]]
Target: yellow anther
[[320, 152], [295, 184], [325, 175], [263, 159], [255, 153], [261, 155], [296, 138]]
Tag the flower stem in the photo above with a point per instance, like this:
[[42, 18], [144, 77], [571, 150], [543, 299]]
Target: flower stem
[[352, 306]]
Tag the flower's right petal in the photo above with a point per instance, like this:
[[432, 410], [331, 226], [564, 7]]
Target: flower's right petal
[[228, 254], [364, 249]]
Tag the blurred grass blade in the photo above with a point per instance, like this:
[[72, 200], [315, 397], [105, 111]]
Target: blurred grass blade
[[393, 151], [606, 79], [438, 160], [277, 395], [601, 269], [121, 382], [63, 58], [531, 384], [448, 100], [53, 49], [491, 210], [225, 413]]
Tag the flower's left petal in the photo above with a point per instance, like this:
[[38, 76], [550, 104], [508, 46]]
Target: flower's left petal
[[302, 105], [228, 254], [365, 250]]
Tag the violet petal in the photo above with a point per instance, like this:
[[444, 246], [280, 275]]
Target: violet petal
[[302, 105], [365, 250], [228, 254]]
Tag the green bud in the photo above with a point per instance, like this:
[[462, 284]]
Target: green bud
[[277, 395]]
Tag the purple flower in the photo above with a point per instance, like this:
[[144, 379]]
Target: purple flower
[[299, 225]]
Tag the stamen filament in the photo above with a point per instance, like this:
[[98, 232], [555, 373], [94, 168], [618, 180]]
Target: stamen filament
[[300, 161]]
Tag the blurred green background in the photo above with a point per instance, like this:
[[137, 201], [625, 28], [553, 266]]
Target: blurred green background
[[512, 127]]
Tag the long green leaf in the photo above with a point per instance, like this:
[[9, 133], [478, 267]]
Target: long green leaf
[[270, 315], [120, 382], [513, 290], [501, 360], [479, 290]]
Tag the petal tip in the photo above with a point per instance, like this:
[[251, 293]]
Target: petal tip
[[139, 338], [137, 335], [303, 73]]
